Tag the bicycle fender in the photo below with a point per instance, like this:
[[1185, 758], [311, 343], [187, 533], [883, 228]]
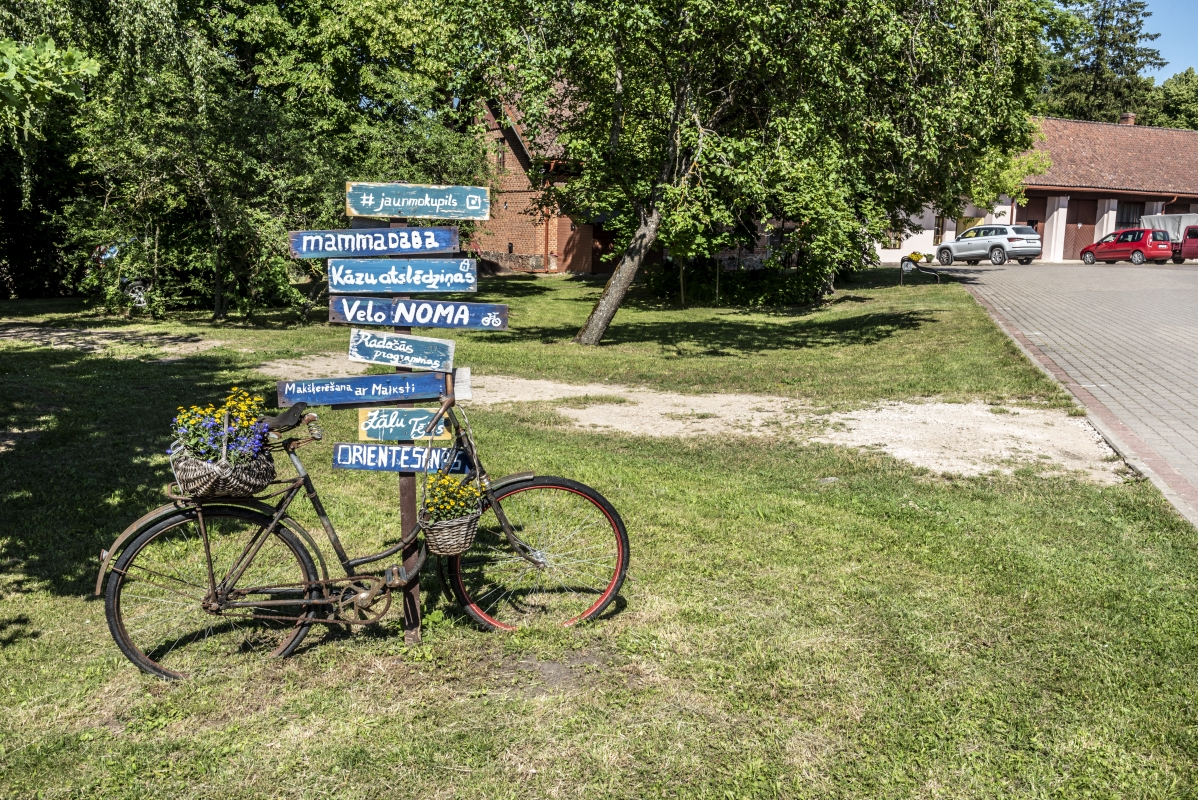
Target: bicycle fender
[[152, 518], [508, 480]]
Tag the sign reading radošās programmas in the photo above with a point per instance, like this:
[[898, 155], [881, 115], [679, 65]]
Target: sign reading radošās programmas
[[372, 242], [413, 200], [401, 350]]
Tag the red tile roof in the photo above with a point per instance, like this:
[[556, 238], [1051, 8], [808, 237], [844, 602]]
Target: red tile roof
[[1129, 158]]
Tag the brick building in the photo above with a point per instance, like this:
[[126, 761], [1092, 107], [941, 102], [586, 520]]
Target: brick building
[[520, 236]]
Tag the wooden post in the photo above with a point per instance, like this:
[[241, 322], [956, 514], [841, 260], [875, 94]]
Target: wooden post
[[407, 519]]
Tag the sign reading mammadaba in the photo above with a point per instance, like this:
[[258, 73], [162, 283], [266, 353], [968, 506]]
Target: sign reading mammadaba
[[416, 201], [402, 275], [384, 242]]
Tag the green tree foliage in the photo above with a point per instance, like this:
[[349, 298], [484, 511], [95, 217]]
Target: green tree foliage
[[686, 120], [1177, 105], [33, 75], [1096, 56], [217, 126]]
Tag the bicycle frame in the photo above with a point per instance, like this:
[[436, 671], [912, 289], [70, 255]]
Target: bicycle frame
[[395, 577]]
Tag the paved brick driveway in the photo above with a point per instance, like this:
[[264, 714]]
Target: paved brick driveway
[[1124, 340]]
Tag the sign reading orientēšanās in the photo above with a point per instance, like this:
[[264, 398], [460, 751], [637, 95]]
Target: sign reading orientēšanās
[[396, 458], [352, 310], [372, 242], [416, 201], [401, 350], [398, 425], [403, 275]]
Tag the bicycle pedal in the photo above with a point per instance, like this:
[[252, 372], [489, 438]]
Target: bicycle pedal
[[391, 577]]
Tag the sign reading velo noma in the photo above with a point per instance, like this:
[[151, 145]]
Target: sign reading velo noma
[[417, 201]]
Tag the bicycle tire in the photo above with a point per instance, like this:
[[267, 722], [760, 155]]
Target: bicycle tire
[[168, 561], [500, 590]]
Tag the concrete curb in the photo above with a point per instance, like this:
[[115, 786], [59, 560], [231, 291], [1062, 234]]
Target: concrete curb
[[1134, 451]]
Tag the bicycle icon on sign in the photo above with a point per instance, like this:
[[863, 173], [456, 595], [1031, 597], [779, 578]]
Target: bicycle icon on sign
[[492, 320]]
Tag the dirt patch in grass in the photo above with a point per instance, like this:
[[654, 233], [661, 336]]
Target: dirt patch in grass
[[954, 438]]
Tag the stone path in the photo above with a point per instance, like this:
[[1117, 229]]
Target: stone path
[[1124, 340]]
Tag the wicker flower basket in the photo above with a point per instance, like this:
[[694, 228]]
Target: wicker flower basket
[[450, 537], [200, 478]]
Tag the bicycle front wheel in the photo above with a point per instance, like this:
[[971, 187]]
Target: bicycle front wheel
[[162, 615], [576, 533]]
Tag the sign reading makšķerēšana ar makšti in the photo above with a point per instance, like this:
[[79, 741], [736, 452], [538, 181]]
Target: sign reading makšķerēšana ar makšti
[[417, 201]]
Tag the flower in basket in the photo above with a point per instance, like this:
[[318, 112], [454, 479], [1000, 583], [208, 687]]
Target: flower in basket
[[447, 497], [201, 429]]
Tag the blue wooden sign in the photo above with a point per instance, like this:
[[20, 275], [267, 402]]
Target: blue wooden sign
[[422, 313], [399, 387], [398, 425], [402, 275], [417, 201], [396, 457], [372, 242], [400, 350]]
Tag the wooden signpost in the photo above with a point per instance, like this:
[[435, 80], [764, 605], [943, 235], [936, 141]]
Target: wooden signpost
[[379, 242], [396, 350], [398, 425], [355, 286], [417, 201], [403, 275], [354, 310]]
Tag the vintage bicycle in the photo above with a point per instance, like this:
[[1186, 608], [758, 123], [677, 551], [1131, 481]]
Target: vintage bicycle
[[197, 585]]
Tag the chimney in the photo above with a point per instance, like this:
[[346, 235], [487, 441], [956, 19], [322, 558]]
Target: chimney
[[1127, 118]]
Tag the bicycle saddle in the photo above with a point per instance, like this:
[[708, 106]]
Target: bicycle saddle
[[288, 419]]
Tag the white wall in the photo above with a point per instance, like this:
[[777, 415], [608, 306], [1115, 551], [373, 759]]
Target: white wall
[[1003, 213], [1056, 211], [1107, 212]]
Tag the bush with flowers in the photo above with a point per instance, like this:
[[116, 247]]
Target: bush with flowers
[[200, 430], [447, 497]]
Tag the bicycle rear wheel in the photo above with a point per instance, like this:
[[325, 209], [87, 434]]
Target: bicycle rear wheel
[[578, 534], [157, 590]]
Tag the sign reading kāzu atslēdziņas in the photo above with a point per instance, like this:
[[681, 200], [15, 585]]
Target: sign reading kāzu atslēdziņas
[[402, 275]]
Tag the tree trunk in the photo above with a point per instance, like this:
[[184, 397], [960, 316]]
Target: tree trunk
[[617, 286]]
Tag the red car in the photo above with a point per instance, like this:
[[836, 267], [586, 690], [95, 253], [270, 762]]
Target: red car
[[1136, 245]]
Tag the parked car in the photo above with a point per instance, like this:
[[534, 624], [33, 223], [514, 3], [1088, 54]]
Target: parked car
[[1136, 245], [999, 243], [1187, 247]]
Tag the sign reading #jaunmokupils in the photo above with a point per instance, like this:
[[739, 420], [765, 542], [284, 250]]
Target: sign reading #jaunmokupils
[[377, 242], [396, 457], [400, 350], [417, 201], [398, 425], [422, 313], [403, 275]]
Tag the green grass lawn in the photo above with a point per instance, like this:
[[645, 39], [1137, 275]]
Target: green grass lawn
[[888, 634], [874, 340]]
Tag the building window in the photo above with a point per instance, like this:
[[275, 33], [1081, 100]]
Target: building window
[[892, 240], [501, 158], [1128, 215], [938, 231]]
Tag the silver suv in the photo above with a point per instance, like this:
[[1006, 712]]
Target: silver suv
[[999, 243]]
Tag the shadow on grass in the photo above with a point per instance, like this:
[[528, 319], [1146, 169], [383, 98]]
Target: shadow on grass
[[715, 336], [93, 466]]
